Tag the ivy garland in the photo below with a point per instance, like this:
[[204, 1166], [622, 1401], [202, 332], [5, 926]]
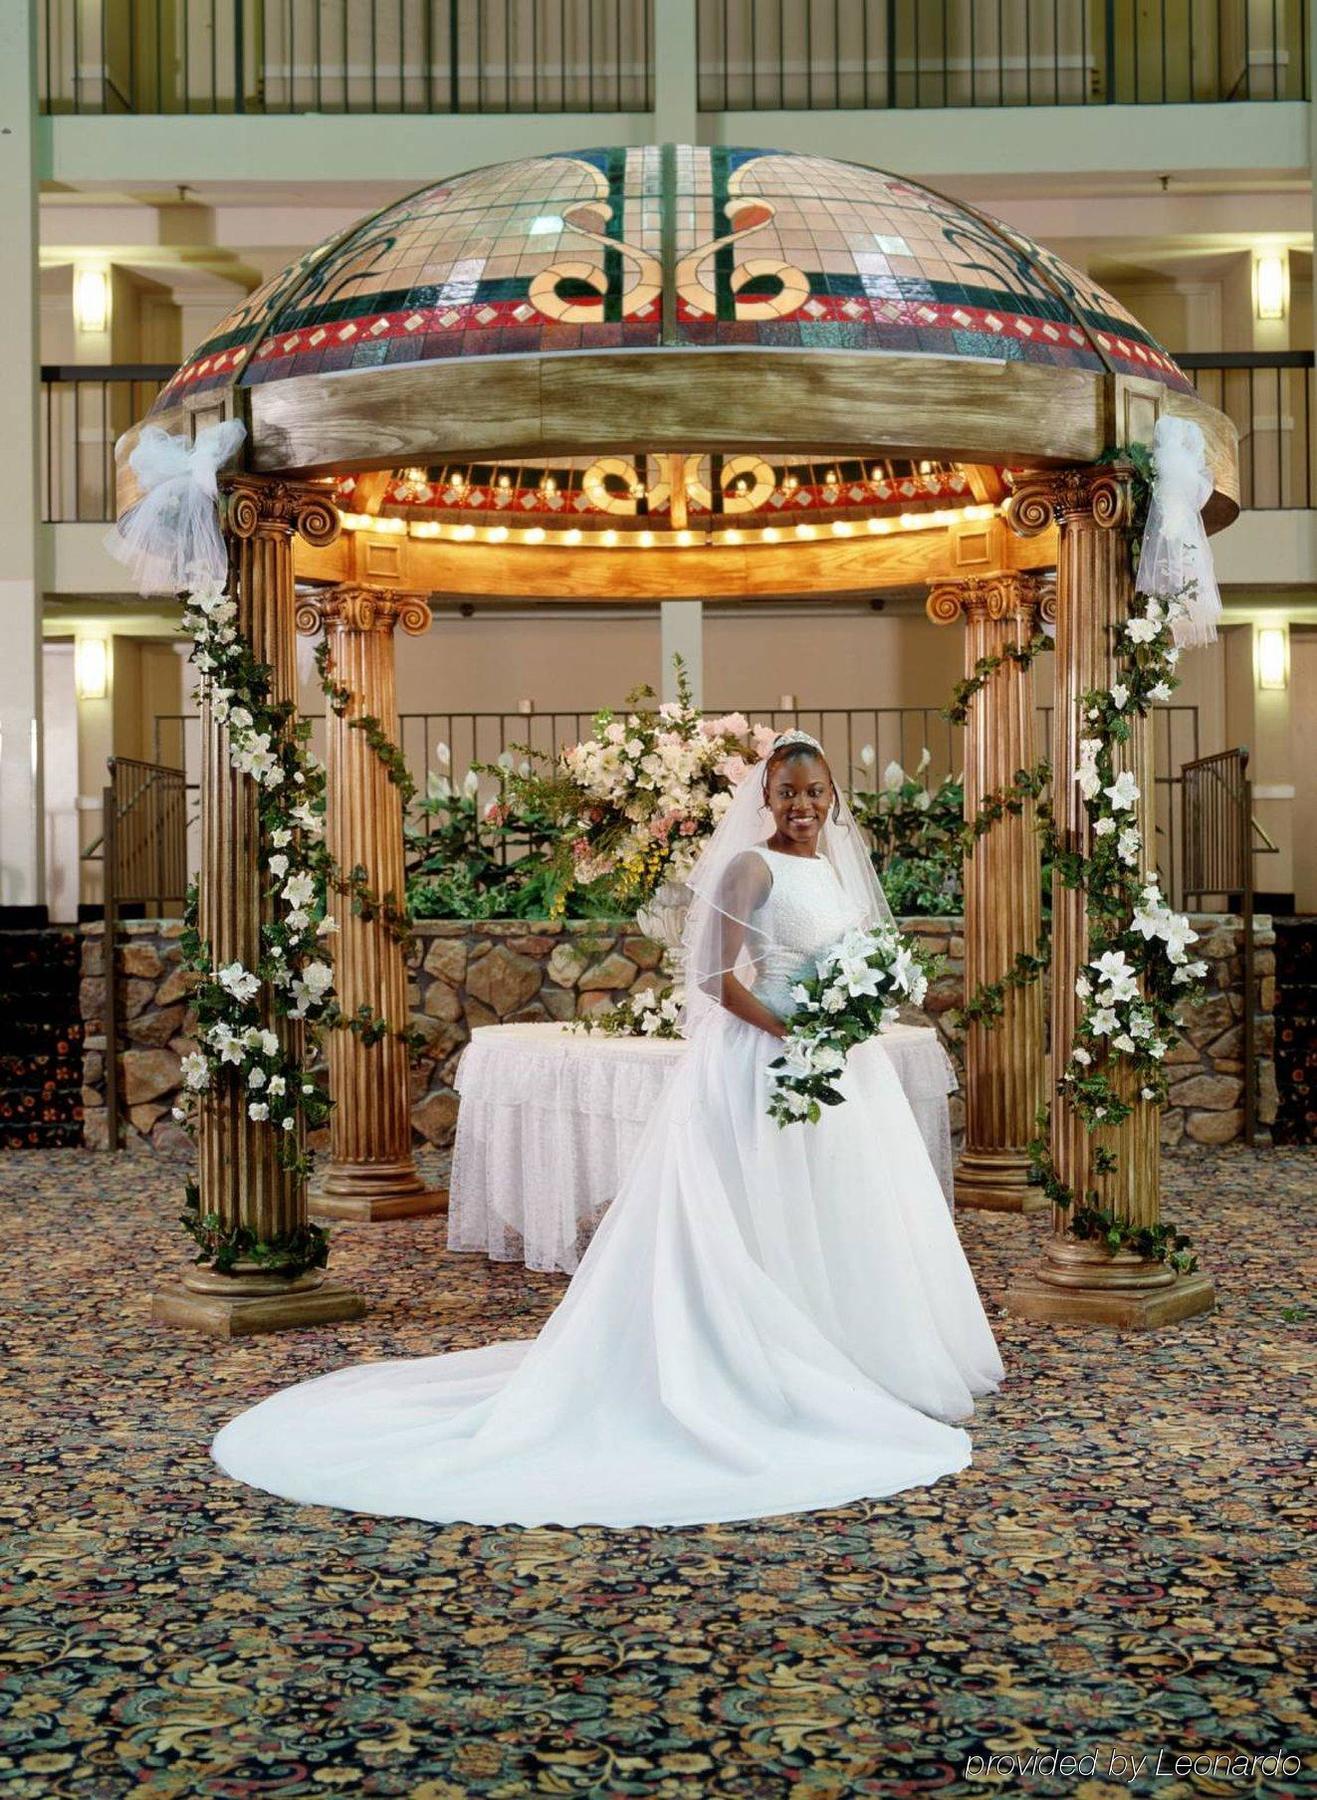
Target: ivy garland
[[986, 1006], [1022, 655], [268, 744], [391, 912], [292, 1253], [1139, 968]]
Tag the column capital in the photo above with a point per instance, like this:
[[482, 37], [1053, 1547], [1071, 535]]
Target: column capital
[[1099, 494], [354, 608], [1005, 594], [267, 506]]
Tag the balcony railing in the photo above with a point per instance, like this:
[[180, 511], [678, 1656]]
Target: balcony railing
[[547, 56], [1270, 398], [84, 408], [345, 56], [780, 55], [1269, 395], [893, 733]]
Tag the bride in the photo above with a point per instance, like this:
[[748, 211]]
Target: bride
[[766, 1321]]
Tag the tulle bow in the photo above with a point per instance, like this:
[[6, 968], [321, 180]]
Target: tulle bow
[[171, 540], [1176, 555]]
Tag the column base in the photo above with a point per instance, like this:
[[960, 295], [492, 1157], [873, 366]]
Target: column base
[[368, 1208], [998, 1181], [1184, 1296], [240, 1315], [376, 1191]]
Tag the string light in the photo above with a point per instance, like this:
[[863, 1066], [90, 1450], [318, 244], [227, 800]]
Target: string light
[[649, 539]]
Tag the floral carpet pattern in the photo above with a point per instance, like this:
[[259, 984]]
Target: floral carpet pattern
[[1120, 1573]]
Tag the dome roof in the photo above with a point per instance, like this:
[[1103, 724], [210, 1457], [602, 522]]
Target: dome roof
[[620, 250]]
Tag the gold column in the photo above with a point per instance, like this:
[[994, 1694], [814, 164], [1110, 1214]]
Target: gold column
[[1003, 891], [241, 1177], [372, 1172], [1081, 1279]]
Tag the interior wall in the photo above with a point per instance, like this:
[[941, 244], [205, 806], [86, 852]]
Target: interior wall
[[489, 663], [1303, 698]]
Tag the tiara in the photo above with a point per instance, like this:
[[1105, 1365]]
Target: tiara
[[784, 738]]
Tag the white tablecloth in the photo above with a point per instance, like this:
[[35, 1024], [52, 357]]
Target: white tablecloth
[[549, 1118]]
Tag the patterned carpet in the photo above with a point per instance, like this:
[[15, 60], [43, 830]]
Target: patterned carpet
[[1119, 1574]]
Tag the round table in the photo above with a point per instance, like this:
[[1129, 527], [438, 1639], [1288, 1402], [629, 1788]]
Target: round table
[[549, 1118]]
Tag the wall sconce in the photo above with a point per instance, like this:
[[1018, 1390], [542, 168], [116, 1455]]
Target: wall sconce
[[1271, 650], [1271, 285], [91, 299], [91, 668]]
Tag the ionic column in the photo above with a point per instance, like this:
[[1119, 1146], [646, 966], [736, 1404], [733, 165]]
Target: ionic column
[[1003, 892], [1081, 1279], [372, 1172], [241, 1177]]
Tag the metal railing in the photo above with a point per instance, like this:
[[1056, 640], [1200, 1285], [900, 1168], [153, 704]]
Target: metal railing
[[897, 734], [345, 56], [144, 857], [1218, 832], [890, 54], [1269, 395], [84, 408]]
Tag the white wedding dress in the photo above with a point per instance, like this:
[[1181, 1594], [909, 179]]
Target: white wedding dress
[[767, 1320]]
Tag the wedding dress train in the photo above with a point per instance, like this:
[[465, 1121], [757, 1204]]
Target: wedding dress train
[[766, 1321]]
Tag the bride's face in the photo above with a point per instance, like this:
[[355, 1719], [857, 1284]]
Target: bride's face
[[799, 795]]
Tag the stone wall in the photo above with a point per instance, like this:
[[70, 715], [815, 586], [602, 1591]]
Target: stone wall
[[154, 1023], [462, 975]]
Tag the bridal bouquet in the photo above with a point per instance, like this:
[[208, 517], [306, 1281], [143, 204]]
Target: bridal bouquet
[[859, 989]]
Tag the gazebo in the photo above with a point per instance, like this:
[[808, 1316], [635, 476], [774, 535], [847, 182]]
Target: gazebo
[[648, 373]]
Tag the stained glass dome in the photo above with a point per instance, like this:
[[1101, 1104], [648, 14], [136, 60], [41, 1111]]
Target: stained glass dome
[[639, 249]]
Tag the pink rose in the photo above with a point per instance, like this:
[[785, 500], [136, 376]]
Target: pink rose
[[735, 768], [688, 828]]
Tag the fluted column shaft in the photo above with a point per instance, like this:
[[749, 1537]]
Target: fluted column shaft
[[1003, 891], [372, 1172], [1082, 1279], [241, 1177]]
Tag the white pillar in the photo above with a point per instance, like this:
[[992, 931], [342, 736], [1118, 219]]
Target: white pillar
[[681, 629], [676, 109], [22, 824]]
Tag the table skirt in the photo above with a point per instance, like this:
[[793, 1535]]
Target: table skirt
[[549, 1118]]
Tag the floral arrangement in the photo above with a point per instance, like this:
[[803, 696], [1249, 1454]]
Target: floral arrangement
[[650, 1013], [268, 745], [1140, 965], [858, 990], [915, 833], [636, 800]]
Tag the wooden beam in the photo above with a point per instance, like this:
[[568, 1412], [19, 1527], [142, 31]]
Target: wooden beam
[[789, 401], [863, 563]]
